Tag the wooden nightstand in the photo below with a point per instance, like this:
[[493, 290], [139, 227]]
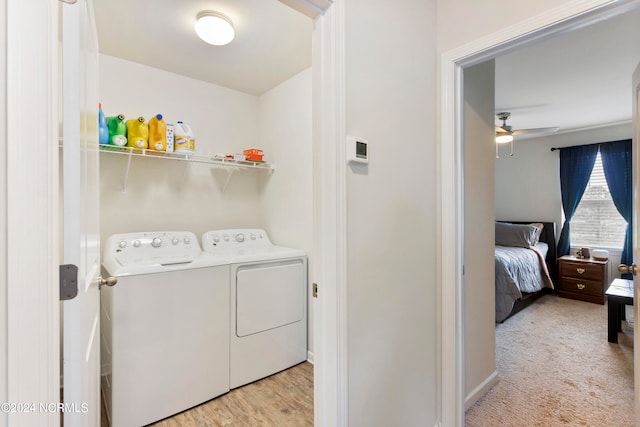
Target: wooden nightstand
[[583, 279]]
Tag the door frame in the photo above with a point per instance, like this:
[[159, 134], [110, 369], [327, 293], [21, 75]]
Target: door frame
[[451, 215], [330, 218], [30, 200], [29, 291]]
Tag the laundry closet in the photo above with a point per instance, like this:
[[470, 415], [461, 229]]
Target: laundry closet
[[157, 192]]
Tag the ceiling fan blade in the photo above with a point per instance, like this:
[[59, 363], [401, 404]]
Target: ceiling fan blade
[[499, 129], [536, 130]]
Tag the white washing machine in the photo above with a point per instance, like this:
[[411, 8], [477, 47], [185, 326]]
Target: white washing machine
[[164, 326], [268, 303]]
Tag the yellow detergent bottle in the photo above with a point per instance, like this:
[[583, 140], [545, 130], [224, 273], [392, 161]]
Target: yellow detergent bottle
[[157, 133], [137, 133]]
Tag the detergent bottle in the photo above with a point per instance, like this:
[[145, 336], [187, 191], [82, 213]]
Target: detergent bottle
[[137, 133], [183, 138], [102, 126], [157, 133], [117, 130]]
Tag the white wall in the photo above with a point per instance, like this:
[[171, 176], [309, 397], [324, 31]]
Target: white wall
[[462, 21], [158, 195], [3, 215], [391, 214], [479, 235], [285, 134]]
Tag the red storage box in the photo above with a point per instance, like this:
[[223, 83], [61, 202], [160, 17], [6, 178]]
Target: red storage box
[[253, 154]]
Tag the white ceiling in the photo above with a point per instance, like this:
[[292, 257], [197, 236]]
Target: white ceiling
[[575, 80], [272, 43]]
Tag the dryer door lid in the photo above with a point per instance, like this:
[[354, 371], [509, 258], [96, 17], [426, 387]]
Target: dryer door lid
[[269, 296]]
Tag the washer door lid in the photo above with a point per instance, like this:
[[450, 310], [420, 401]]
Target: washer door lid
[[269, 296]]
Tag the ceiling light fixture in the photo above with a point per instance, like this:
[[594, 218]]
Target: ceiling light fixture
[[214, 28], [504, 138]]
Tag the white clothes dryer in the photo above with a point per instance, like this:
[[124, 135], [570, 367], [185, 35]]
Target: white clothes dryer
[[268, 303], [164, 326]]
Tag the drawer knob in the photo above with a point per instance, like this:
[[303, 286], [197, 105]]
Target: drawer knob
[[580, 286], [580, 270]]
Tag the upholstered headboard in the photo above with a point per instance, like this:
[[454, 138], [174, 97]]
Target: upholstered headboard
[[549, 237]]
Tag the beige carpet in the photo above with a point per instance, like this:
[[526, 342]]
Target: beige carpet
[[556, 368]]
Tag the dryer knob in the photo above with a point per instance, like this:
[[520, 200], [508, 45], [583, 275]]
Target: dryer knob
[[225, 237], [216, 238], [156, 242], [253, 236], [240, 237], [136, 243], [175, 241], [186, 240], [122, 244]]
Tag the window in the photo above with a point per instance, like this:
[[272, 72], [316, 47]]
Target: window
[[596, 221]]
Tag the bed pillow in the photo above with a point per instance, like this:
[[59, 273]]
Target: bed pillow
[[539, 226], [516, 235]]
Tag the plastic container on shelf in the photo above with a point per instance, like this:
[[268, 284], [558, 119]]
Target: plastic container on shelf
[[137, 133], [254, 154], [171, 132], [102, 126], [117, 130], [184, 141], [157, 133]]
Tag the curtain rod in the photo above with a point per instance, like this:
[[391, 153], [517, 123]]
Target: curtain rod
[[585, 145]]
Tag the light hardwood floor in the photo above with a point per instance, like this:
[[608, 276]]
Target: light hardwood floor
[[284, 399]]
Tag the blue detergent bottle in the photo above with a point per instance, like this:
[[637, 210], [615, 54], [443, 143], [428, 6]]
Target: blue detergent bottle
[[102, 126]]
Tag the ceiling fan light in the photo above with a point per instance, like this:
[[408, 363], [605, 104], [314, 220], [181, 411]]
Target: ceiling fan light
[[214, 28], [504, 138]]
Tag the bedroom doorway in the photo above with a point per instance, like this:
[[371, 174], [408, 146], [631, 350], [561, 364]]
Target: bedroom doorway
[[453, 219]]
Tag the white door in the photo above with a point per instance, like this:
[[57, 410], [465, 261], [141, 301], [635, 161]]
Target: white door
[[636, 240], [81, 343]]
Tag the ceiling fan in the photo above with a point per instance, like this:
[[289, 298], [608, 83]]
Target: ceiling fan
[[506, 133]]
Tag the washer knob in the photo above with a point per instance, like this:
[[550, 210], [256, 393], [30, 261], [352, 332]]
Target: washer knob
[[240, 237], [156, 242], [225, 237], [175, 241], [253, 236], [216, 238], [122, 244], [136, 243], [186, 240]]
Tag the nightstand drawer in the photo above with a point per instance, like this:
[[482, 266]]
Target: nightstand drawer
[[579, 286], [581, 270]]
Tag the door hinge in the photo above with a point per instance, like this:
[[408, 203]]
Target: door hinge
[[315, 290], [68, 282]]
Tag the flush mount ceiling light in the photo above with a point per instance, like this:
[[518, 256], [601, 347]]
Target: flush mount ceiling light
[[214, 28]]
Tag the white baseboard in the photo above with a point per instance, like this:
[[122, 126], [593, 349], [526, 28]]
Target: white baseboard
[[310, 357], [479, 391]]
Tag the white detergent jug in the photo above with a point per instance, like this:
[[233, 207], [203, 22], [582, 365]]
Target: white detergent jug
[[183, 138]]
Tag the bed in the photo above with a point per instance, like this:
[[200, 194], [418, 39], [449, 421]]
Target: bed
[[525, 263]]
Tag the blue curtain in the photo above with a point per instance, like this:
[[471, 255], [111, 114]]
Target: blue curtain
[[616, 162], [576, 164]]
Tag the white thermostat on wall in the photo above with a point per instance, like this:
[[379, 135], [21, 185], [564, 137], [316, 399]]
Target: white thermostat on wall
[[357, 150]]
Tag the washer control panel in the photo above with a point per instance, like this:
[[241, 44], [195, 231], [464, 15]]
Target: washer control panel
[[235, 238], [161, 247]]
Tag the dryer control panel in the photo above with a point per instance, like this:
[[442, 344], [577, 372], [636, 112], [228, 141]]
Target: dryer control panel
[[235, 238], [152, 248]]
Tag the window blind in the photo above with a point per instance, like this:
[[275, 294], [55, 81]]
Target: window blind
[[596, 221]]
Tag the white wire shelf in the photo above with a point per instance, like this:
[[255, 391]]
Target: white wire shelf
[[231, 165]]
